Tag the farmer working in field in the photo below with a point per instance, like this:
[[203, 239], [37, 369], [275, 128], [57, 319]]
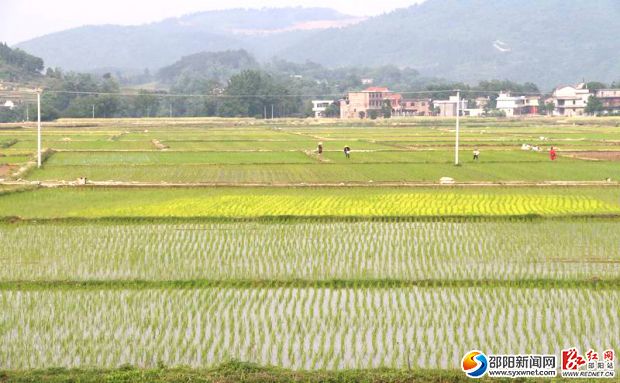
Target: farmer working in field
[[476, 154], [347, 151], [320, 148], [552, 154]]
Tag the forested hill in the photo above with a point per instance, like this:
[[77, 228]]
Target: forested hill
[[215, 66], [17, 65], [546, 42]]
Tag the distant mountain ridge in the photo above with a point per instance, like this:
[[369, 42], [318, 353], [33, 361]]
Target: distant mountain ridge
[[159, 44], [546, 42]]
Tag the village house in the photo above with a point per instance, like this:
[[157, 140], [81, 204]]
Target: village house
[[610, 98], [511, 106], [396, 100], [532, 105], [415, 107], [571, 100], [517, 105], [361, 104], [320, 106], [447, 108]]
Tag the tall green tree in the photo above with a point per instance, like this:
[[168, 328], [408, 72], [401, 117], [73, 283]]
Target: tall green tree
[[386, 109], [549, 108], [594, 106], [251, 93], [596, 85], [333, 110], [145, 104]]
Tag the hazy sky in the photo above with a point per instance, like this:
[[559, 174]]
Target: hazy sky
[[24, 19]]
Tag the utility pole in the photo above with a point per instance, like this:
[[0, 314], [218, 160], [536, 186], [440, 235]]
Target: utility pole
[[170, 110], [38, 128], [93, 111], [458, 114], [265, 111], [272, 111], [27, 112]]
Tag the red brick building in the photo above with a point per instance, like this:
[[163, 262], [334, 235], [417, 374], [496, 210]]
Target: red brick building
[[361, 104]]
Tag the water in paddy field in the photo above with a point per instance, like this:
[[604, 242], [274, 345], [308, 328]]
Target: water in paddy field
[[348, 328]]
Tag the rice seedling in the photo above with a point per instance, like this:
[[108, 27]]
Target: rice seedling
[[305, 278], [345, 328], [309, 202], [459, 250]]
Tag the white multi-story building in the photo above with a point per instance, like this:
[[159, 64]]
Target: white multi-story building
[[511, 105], [571, 100], [517, 105], [320, 106]]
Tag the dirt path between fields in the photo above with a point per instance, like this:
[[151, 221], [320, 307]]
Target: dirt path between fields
[[316, 156], [122, 184]]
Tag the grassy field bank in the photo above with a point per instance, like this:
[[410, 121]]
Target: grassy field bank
[[234, 372]]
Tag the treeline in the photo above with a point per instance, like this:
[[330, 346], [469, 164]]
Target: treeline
[[484, 88], [206, 71], [250, 93], [230, 84], [226, 84]]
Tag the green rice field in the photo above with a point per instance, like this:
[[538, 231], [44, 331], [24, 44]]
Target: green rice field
[[202, 243], [284, 152]]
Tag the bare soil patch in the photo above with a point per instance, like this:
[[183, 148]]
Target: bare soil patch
[[159, 145], [594, 155], [6, 170]]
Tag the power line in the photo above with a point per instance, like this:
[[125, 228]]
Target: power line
[[13, 93], [279, 95]]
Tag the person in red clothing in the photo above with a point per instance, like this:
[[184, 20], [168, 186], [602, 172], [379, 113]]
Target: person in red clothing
[[552, 154]]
